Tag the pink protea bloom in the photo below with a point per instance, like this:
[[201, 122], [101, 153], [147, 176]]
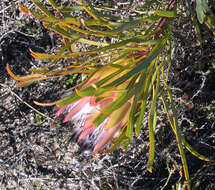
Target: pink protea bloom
[[84, 111]]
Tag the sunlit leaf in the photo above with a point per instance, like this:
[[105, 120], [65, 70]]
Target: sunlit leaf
[[169, 14], [53, 3], [71, 20], [61, 31], [70, 9], [43, 8], [24, 78], [153, 54], [41, 56], [25, 10], [199, 11], [175, 128], [67, 100], [117, 142]]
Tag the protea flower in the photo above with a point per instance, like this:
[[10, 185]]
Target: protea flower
[[85, 110]]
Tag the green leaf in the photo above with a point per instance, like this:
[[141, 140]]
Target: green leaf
[[194, 152], [152, 123], [62, 31], [107, 78], [41, 71], [140, 118], [195, 22], [173, 123], [114, 106], [23, 78], [47, 19], [153, 54], [151, 145], [146, 91], [70, 9], [43, 8], [39, 118], [205, 6], [41, 56], [69, 99], [117, 142], [138, 93], [53, 3], [169, 14], [60, 53], [90, 10], [198, 32], [89, 91], [71, 20], [199, 11], [131, 24], [125, 143]]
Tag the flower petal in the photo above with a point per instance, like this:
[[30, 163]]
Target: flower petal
[[86, 132], [106, 137], [77, 109]]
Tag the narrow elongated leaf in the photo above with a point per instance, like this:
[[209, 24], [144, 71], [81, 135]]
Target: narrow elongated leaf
[[41, 71], [106, 79], [43, 8], [195, 22], [60, 53], [71, 20], [67, 100], [199, 11], [70, 9], [48, 19], [41, 56], [131, 24], [122, 27], [91, 42], [61, 31], [151, 142], [89, 11], [173, 124], [204, 5], [138, 93], [89, 91], [92, 22], [114, 106], [169, 14], [125, 143], [154, 53], [194, 152], [25, 10], [117, 142], [96, 13], [28, 82], [146, 92], [152, 123], [25, 78], [53, 4], [86, 32]]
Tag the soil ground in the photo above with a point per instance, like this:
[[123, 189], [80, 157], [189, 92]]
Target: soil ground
[[33, 155]]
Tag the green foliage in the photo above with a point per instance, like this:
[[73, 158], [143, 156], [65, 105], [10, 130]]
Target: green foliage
[[138, 59], [38, 118]]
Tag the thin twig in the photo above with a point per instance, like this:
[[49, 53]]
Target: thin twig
[[34, 109], [202, 84]]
